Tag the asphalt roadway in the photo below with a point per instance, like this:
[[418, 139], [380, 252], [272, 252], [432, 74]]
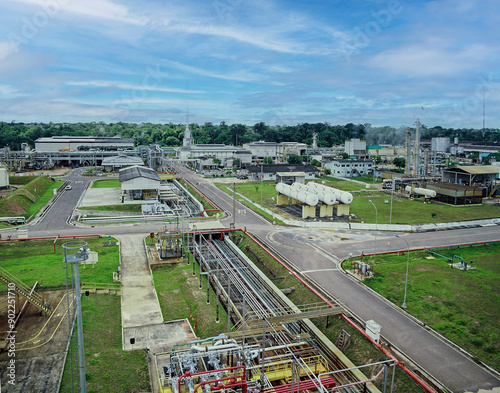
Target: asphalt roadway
[[316, 254]]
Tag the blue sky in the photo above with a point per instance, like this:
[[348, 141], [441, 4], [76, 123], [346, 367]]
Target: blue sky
[[241, 61]]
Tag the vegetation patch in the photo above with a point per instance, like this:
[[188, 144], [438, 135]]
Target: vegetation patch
[[462, 306], [106, 183], [200, 198], [180, 296], [115, 208], [36, 260], [30, 198], [108, 368]]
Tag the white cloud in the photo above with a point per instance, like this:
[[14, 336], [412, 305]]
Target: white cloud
[[129, 86], [102, 9], [432, 58]]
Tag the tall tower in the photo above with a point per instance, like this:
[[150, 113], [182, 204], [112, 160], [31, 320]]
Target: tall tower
[[315, 140], [187, 141]]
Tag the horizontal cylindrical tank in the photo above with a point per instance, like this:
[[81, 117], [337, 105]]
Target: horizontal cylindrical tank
[[326, 197], [307, 197], [421, 191], [298, 192]]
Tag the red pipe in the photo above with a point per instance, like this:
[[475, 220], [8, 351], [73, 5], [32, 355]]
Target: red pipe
[[388, 354], [188, 374]]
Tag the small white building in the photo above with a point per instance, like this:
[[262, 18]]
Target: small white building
[[139, 183], [355, 147], [350, 168], [4, 178], [270, 171], [120, 161]]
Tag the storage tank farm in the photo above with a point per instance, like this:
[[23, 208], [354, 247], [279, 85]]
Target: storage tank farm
[[311, 195]]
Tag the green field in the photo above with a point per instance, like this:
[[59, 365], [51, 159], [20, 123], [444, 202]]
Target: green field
[[404, 211], [181, 297], [28, 200], [106, 183], [115, 208], [36, 260], [108, 368], [462, 306]]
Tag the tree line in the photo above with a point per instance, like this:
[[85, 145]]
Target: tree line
[[13, 134]]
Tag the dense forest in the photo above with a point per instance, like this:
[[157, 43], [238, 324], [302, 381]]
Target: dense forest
[[13, 134]]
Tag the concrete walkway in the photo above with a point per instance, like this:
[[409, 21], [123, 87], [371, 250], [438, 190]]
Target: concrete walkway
[[140, 306], [142, 320]]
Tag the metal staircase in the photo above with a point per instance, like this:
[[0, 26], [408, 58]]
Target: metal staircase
[[23, 290]]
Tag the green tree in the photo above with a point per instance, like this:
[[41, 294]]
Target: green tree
[[216, 161], [344, 155], [315, 162], [267, 160], [400, 162], [236, 163], [294, 159], [377, 160]]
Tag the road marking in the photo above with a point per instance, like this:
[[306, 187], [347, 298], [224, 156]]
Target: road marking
[[319, 270]]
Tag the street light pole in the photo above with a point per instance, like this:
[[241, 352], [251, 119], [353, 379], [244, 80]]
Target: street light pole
[[407, 265], [392, 197], [376, 223], [234, 205], [261, 181]]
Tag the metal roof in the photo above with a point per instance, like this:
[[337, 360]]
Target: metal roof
[[296, 174], [273, 168], [474, 169], [122, 160], [134, 172]]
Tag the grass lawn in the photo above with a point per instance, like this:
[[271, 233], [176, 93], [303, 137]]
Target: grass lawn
[[35, 260], [180, 296], [108, 368], [115, 208], [30, 198], [206, 205], [106, 183], [360, 351], [462, 306], [404, 211]]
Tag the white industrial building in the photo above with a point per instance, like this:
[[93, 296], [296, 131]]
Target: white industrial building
[[222, 152], [349, 168], [440, 145], [121, 161], [276, 151], [270, 171], [355, 147], [139, 183], [4, 178], [82, 143]]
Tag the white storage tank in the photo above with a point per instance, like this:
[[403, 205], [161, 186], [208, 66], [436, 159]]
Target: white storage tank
[[4, 178], [421, 191]]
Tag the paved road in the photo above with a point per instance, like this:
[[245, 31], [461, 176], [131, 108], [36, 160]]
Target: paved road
[[316, 254]]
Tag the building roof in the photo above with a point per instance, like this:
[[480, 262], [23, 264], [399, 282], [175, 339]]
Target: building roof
[[84, 139], [474, 169], [296, 174], [134, 172], [122, 160], [274, 168]]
